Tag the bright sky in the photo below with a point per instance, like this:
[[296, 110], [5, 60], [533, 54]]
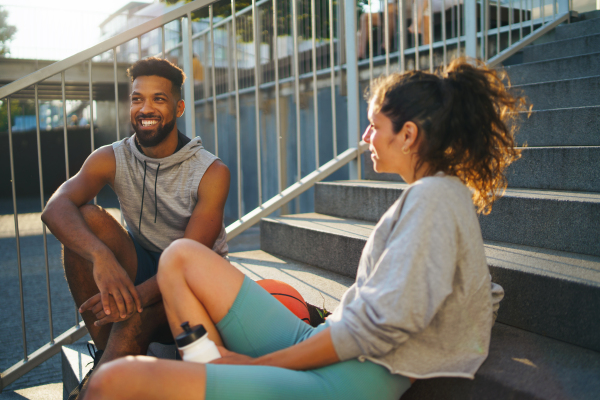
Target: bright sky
[[56, 29]]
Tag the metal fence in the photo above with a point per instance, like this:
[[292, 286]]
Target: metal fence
[[299, 47]]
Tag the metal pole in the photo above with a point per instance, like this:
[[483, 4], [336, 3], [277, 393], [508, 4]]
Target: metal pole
[[352, 85], [257, 95], [482, 23], [510, 22], [370, 33], [42, 202], [237, 109], [139, 42], [332, 65], [314, 71], [162, 40], [67, 174], [401, 36], [459, 15], [17, 236], [91, 115], [277, 106], [553, 9], [296, 86], [543, 11], [445, 55], [116, 119], [386, 33], [498, 24], [430, 28], [531, 17], [188, 68], [520, 19], [416, 32], [214, 87], [486, 53]]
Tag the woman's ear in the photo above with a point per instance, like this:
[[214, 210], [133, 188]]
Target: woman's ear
[[410, 134]]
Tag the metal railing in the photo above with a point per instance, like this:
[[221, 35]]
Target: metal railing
[[305, 51]]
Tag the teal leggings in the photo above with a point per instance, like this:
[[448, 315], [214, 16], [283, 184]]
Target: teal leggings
[[259, 324]]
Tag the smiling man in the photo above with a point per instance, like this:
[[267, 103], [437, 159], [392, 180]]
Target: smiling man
[[169, 187]]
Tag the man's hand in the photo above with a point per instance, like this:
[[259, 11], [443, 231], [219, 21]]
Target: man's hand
[[229, 357], [112, 280], [94, 304]]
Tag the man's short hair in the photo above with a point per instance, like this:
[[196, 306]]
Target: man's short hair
[[159, 67]]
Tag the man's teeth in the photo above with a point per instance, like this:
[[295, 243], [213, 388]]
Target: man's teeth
[[148, 122]]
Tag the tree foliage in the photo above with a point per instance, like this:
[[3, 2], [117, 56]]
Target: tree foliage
[[6, 32]]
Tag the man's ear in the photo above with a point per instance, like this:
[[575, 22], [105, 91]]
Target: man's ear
[[180, 108]]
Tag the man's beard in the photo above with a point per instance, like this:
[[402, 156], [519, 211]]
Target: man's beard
[[151, 139]]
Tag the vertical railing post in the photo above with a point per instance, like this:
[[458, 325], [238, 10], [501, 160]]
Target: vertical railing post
[[188, 68], [256, 35], [91, 90], [401, 35], [237, 108], [17, 236], [352, 84], [470, 9], [333, 94], [314, 74], [296, 69], [277, 105], [213, 78]]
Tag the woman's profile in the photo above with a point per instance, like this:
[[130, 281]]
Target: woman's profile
[[422, 305]]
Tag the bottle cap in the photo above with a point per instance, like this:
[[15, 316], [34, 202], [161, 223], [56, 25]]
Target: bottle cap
[[189, 335]]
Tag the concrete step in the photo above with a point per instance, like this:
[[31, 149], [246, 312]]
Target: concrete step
[[571, 168], [554, 70], [577, 29], [521, 366], [562, 48], [580, 92], [51, 391], [557, 168], [560, 300], [563, 127], [564, 221]]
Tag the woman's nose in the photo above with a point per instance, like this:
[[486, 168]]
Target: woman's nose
[[367, 135]]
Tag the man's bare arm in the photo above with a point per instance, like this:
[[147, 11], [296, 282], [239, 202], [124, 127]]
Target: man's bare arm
[[63, 218]]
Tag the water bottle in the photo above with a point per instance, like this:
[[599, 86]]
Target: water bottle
[[195, 344]]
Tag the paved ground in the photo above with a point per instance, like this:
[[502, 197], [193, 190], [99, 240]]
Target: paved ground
[[35, 293]]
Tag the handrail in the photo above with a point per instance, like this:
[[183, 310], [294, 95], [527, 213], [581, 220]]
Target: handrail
[[108, 44], [295, 190]]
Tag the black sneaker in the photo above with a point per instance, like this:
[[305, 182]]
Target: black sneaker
[[96, 355]]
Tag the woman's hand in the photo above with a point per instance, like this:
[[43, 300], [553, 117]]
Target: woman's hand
[[232, 358]]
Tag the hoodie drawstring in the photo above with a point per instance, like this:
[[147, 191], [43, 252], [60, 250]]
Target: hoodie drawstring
[[155, 196], [142, 207]]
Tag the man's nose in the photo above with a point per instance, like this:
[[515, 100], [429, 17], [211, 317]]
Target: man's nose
[[147, 107], [367, 135]]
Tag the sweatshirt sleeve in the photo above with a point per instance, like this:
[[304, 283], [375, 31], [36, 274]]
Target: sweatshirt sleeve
[[409, 281]]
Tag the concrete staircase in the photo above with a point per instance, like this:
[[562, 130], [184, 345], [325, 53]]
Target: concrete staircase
[[542, 238]]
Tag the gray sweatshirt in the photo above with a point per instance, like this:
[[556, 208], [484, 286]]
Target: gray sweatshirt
[[422, 304], [158, 195]]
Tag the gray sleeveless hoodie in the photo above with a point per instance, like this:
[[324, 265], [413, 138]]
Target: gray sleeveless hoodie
[[158, 195]]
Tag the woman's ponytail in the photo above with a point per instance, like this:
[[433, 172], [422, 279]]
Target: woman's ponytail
[[467, 118]]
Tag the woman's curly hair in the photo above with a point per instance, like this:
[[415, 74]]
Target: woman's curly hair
[[467, 118]]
